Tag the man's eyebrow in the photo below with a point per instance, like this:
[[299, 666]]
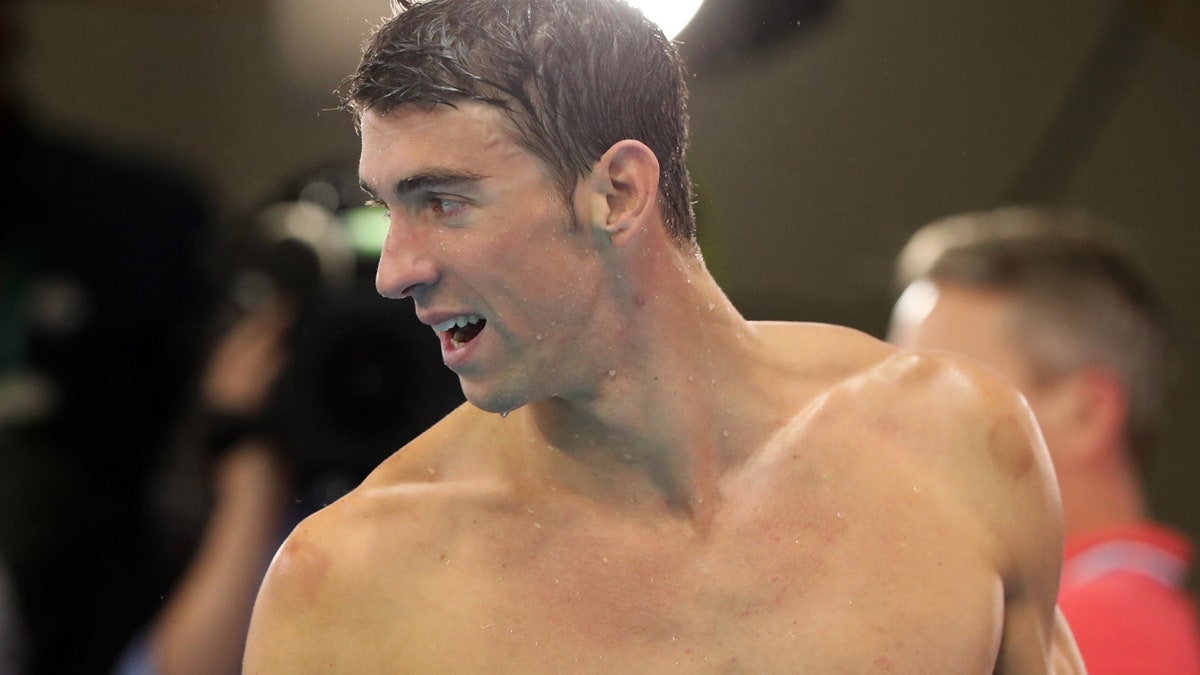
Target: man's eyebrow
[[426, 180]]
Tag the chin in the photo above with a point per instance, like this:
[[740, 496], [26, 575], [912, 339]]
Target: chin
[[492, 400]]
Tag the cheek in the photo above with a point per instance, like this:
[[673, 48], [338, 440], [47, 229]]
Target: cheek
[[554, 273]]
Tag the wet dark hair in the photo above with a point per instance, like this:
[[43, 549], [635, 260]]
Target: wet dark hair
[[573, 76]]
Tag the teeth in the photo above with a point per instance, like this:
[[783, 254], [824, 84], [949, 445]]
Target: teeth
[[457, 322]]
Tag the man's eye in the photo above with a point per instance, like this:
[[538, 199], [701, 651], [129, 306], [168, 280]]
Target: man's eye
[[445, 206]]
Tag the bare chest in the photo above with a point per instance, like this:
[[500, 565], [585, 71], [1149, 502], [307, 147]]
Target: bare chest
[[821, 585]]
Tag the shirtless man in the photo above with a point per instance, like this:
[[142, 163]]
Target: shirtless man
[[642, 480]]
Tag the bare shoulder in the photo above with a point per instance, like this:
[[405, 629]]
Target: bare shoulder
[[304, 581], [348, 561], [938, 392], [932, 448], [828, 347], [973, 417], [935, 417], [948, 408], [972, 430], [972, 433], [982, 424]]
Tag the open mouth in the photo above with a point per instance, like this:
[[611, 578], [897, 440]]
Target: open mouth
[[462, 329]]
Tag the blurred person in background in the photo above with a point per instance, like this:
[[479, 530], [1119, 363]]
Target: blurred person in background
[[1047, 298], [310, 381], [239, 466]]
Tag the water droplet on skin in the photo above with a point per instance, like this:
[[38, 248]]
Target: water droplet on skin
[[725, 434], [538, 525], [711, 306], [839, 514], [539, 336], [504, 415], [604, 560], [612, 373]]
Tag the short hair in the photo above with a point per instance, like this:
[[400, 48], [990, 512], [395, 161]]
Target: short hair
[[573, 76], [1079, 298]]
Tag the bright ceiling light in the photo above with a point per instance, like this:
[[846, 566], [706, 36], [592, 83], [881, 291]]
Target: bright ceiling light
[[670, 15]]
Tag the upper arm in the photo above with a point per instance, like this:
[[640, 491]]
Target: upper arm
[[288, 612], [1020, 502], [1028, 646], [1064, 654], [1001, 477]]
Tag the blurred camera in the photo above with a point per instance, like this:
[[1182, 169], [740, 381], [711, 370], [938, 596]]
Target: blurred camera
[[364, 376]]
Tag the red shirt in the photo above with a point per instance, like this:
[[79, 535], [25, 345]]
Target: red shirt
[[1122, 592]]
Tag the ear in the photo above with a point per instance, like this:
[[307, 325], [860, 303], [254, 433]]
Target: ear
[[1095, 407], [621, 191]]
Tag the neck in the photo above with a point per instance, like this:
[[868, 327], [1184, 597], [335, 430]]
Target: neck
[[669, 402], [1103, 495]]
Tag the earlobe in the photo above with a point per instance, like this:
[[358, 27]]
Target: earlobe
[[622, 191], [1107, 401]]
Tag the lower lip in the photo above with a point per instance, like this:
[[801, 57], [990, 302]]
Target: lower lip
[[455, 355]]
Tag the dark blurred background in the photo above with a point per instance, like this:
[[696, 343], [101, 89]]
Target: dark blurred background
[[825, 132]]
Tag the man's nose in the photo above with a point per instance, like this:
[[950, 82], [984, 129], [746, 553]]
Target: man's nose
[[405, 266]]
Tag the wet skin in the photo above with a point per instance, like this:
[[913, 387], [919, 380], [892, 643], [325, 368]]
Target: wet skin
[[676, 489], [477, 228]]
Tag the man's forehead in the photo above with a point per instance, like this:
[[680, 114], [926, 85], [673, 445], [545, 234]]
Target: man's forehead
[[407, 140], [411, 119]]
